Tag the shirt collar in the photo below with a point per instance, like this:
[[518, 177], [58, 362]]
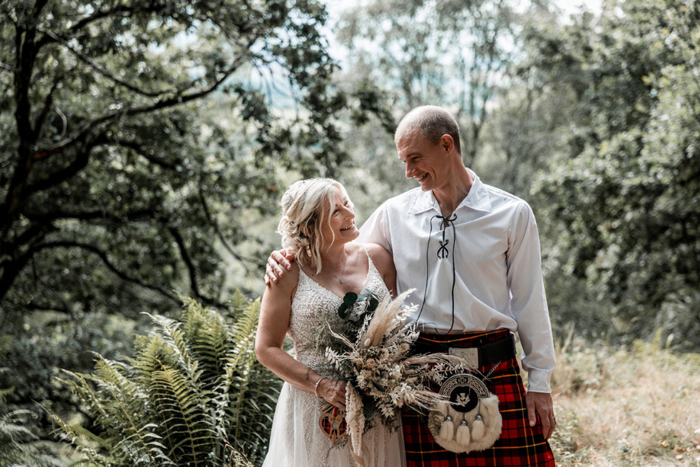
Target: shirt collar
[[477, 199]]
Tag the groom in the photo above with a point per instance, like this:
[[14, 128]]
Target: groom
[[472, 253]]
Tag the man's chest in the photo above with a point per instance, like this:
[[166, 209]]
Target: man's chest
[[476, 240]]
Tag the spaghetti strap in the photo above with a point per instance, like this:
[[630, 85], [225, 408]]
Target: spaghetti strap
[[371, 263]]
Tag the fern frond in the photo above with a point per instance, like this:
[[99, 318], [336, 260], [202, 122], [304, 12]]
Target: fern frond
[[207, 336], [73, 438], [243, 334], [153, 354], [4, 393], [183, 408]]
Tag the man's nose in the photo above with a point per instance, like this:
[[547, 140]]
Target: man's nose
[[409, 170]]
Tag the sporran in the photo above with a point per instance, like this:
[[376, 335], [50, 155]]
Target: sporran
[[469, 420]]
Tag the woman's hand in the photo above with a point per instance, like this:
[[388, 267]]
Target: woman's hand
[[332, 391]]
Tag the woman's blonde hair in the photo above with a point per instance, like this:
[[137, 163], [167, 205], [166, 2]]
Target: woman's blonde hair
[[306, 205]]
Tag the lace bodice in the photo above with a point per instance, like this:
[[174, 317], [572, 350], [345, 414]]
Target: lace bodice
[[314, 306]]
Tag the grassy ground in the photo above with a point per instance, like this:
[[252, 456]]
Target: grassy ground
[[638, 407]]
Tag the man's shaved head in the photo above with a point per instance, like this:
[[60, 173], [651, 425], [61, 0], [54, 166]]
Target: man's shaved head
[[432, 121]]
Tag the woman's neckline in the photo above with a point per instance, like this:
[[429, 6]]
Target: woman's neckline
[[364, 284]]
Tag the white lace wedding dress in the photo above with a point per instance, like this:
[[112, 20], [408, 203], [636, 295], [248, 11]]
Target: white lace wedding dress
[[296, 439]]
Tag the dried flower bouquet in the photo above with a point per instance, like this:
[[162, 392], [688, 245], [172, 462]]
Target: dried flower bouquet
[[372, 354]]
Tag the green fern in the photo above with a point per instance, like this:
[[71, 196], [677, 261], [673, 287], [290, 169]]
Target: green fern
[[194, 394], [18, 441]]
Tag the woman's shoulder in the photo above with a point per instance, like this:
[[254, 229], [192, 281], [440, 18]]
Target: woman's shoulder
[[288, 281]]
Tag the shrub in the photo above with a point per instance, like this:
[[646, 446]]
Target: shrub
[[194, 394]]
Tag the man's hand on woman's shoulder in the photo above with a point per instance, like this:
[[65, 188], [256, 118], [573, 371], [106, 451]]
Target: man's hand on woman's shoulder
[[278, 263]]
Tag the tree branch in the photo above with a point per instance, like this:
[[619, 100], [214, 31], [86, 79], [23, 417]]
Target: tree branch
[[120, 10], [141, 151], [106, 73], [25, 55], [178, 99], [213, 223], [39, 123], [78, 164], [131, 216], [186, 258], [105, 260]]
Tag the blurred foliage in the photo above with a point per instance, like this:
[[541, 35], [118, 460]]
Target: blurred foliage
[[626, 208], [194, 394], [452, 53], [18, 433], [593, 119], [44, 343]]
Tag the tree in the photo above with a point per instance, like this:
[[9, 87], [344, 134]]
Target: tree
[[135, 134], [456, 54], [627, 205]]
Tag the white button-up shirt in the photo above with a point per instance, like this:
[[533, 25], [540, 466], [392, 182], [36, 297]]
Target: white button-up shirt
[[496, 256]]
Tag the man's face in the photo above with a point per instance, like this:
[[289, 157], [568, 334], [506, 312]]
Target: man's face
[[425, 161]]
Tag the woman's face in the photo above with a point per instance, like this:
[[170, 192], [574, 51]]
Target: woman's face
[[342, 222]]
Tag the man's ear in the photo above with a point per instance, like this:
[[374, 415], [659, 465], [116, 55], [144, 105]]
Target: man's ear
[[447, 143]]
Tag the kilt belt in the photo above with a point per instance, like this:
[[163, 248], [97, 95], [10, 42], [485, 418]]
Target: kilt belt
[[519, 444], [481, 354]]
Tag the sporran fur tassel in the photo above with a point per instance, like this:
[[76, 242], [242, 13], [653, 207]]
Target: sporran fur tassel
[[478, 428]]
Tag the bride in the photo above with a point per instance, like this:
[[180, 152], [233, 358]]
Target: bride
[[318, 225]]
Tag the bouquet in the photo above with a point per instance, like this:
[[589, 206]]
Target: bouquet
[[372, 355]]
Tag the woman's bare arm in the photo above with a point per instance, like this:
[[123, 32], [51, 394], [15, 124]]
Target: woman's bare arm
[[275, 313]]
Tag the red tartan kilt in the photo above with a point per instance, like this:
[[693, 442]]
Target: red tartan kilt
[[519, 444]]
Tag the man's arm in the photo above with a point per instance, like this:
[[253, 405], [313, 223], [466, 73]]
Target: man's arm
[[376, 229], [529, 308]]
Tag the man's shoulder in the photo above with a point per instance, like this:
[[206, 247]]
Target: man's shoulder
[[505, 199], [402, 201]]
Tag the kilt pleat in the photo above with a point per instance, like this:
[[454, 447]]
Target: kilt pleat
[[519, 444]]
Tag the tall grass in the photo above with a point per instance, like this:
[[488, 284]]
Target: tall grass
[[633, 407]]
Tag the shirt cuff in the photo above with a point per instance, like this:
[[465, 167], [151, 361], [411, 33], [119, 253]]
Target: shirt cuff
[[538, 381]]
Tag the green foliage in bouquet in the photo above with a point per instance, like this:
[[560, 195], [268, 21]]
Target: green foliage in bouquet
[[194, 394]]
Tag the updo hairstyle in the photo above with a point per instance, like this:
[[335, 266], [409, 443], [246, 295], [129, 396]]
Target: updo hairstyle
[[305, 206]]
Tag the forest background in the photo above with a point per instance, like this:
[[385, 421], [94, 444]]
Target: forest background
[[144, 146]]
